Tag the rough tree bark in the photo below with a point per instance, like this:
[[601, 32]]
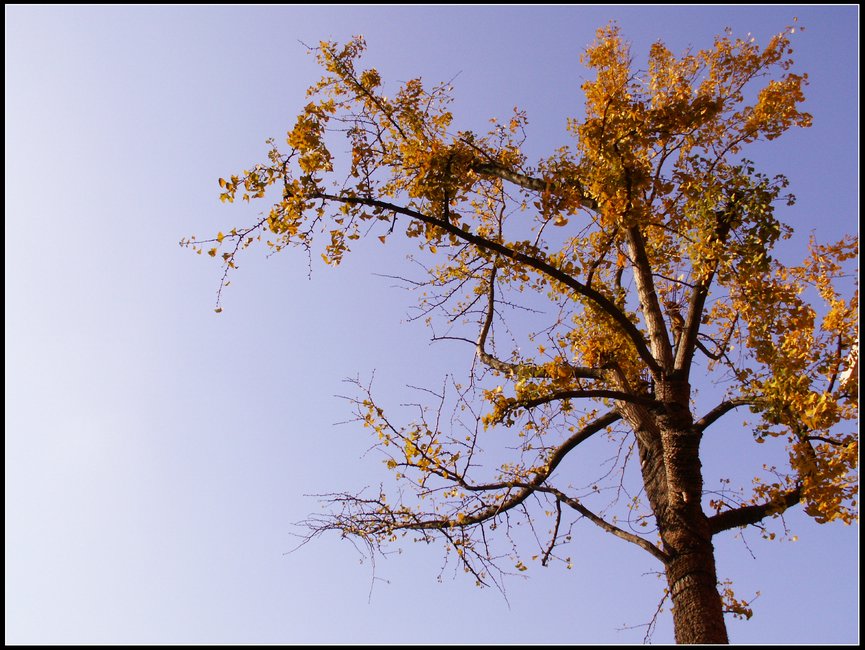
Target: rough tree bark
[[691, 577]]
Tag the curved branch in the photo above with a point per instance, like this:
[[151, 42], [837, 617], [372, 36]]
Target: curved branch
[[722, 409], [580, 436], [610, 528], [552, 272], [711, 355], [517, 369], [747, 515]]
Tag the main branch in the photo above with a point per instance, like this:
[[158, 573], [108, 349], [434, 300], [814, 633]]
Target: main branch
[[552, 272]]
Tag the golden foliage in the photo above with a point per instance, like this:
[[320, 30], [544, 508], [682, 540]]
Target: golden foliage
[[662, 248]]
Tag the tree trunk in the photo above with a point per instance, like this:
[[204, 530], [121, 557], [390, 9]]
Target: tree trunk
[[697, 609], [693, 582], [669, 448]]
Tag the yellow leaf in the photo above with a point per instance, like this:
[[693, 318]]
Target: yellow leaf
[[220, 237], [212, 252], [218, 310]]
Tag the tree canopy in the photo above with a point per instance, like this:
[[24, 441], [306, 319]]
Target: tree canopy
[[594, 287]]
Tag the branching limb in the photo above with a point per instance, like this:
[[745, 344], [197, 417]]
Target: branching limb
[[645, 282], [541, 475], [374, 520]]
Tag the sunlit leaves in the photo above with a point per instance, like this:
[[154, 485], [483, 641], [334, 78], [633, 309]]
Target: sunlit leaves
[[732, 605]]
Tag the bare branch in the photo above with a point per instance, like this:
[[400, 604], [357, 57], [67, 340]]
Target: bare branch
[[452, 338], [555, 534], [688, 340], [722, 409], [721, 347], [747, 515], [555, 459]]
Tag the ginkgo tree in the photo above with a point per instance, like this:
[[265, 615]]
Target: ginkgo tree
[[594, 287]]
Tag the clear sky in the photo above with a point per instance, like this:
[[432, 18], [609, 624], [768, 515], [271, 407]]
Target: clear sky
[[157, 454]]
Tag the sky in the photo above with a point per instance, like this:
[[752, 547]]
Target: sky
[[158, 454]]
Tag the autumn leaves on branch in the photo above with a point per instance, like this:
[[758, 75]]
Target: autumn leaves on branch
[[649, 242]]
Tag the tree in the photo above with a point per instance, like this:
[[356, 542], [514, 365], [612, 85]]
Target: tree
[[649, 244]]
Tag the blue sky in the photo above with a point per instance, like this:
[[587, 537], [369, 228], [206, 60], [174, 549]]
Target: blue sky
[[157, 454]]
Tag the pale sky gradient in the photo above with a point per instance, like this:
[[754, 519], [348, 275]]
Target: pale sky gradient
[[157, 454]]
